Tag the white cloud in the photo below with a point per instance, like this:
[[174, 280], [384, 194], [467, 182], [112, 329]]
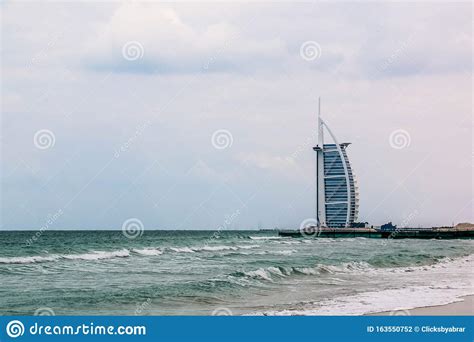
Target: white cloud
[[284, 165], [171, 45]]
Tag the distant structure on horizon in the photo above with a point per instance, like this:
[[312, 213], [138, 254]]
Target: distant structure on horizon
[[337, 196]]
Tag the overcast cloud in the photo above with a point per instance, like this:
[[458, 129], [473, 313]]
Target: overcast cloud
[[133, 94]]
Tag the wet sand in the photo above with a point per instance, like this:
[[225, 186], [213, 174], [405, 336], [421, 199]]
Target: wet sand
[[461, 308]]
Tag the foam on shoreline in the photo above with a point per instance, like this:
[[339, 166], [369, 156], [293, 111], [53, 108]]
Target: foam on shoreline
[[397, 301]]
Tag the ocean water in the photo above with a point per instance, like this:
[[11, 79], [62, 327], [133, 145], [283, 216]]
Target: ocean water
[[230, 272]]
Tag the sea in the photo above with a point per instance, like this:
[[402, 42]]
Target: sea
[[226, 273]]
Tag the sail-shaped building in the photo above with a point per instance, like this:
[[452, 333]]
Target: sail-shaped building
[[337, 202]]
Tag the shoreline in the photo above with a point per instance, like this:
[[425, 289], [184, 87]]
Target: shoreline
[[463, 307]]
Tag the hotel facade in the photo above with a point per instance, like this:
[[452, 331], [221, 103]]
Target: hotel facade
[[337, 197]]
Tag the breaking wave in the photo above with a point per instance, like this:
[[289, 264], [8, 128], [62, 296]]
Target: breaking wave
[[94, 255], [99, 255], [182, 249], [148, 251], [274, 272], [28, 259], [211, 248]]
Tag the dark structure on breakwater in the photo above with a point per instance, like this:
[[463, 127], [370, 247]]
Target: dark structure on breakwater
[[402, 233]]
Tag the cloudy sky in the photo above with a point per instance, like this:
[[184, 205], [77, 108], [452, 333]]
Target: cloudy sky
[[199, 116]]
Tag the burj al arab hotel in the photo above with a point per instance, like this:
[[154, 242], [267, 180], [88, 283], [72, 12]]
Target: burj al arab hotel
[[337, 197]]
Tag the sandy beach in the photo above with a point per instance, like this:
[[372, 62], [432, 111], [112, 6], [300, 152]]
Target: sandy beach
[[461, 308]]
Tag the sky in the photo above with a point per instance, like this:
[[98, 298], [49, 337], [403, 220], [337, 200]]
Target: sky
[[203, 115]]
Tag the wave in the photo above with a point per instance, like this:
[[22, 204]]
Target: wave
[[99, 255], [442, 290], [182, 249], [295, 242], [216, 248], [148, 251], [94, 255], [274, 272], [249, 246], [270, 273], [211, 248], [28, 259], [281, 271], [265, 237], [359, 267], [283, 252], [260, 273]]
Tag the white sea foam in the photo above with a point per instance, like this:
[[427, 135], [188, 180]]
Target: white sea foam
[[380, 301], [361, 268], [216, 248], [265, 237], [445, 282], [148, 251], [284, 252], [351, 267], [182, 249], [269, 273], [306, 270], [98, 255], [94, 255], [276, 271], [248, 246], [211, 248], [260, 273], [294, 242], [28, 259]]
